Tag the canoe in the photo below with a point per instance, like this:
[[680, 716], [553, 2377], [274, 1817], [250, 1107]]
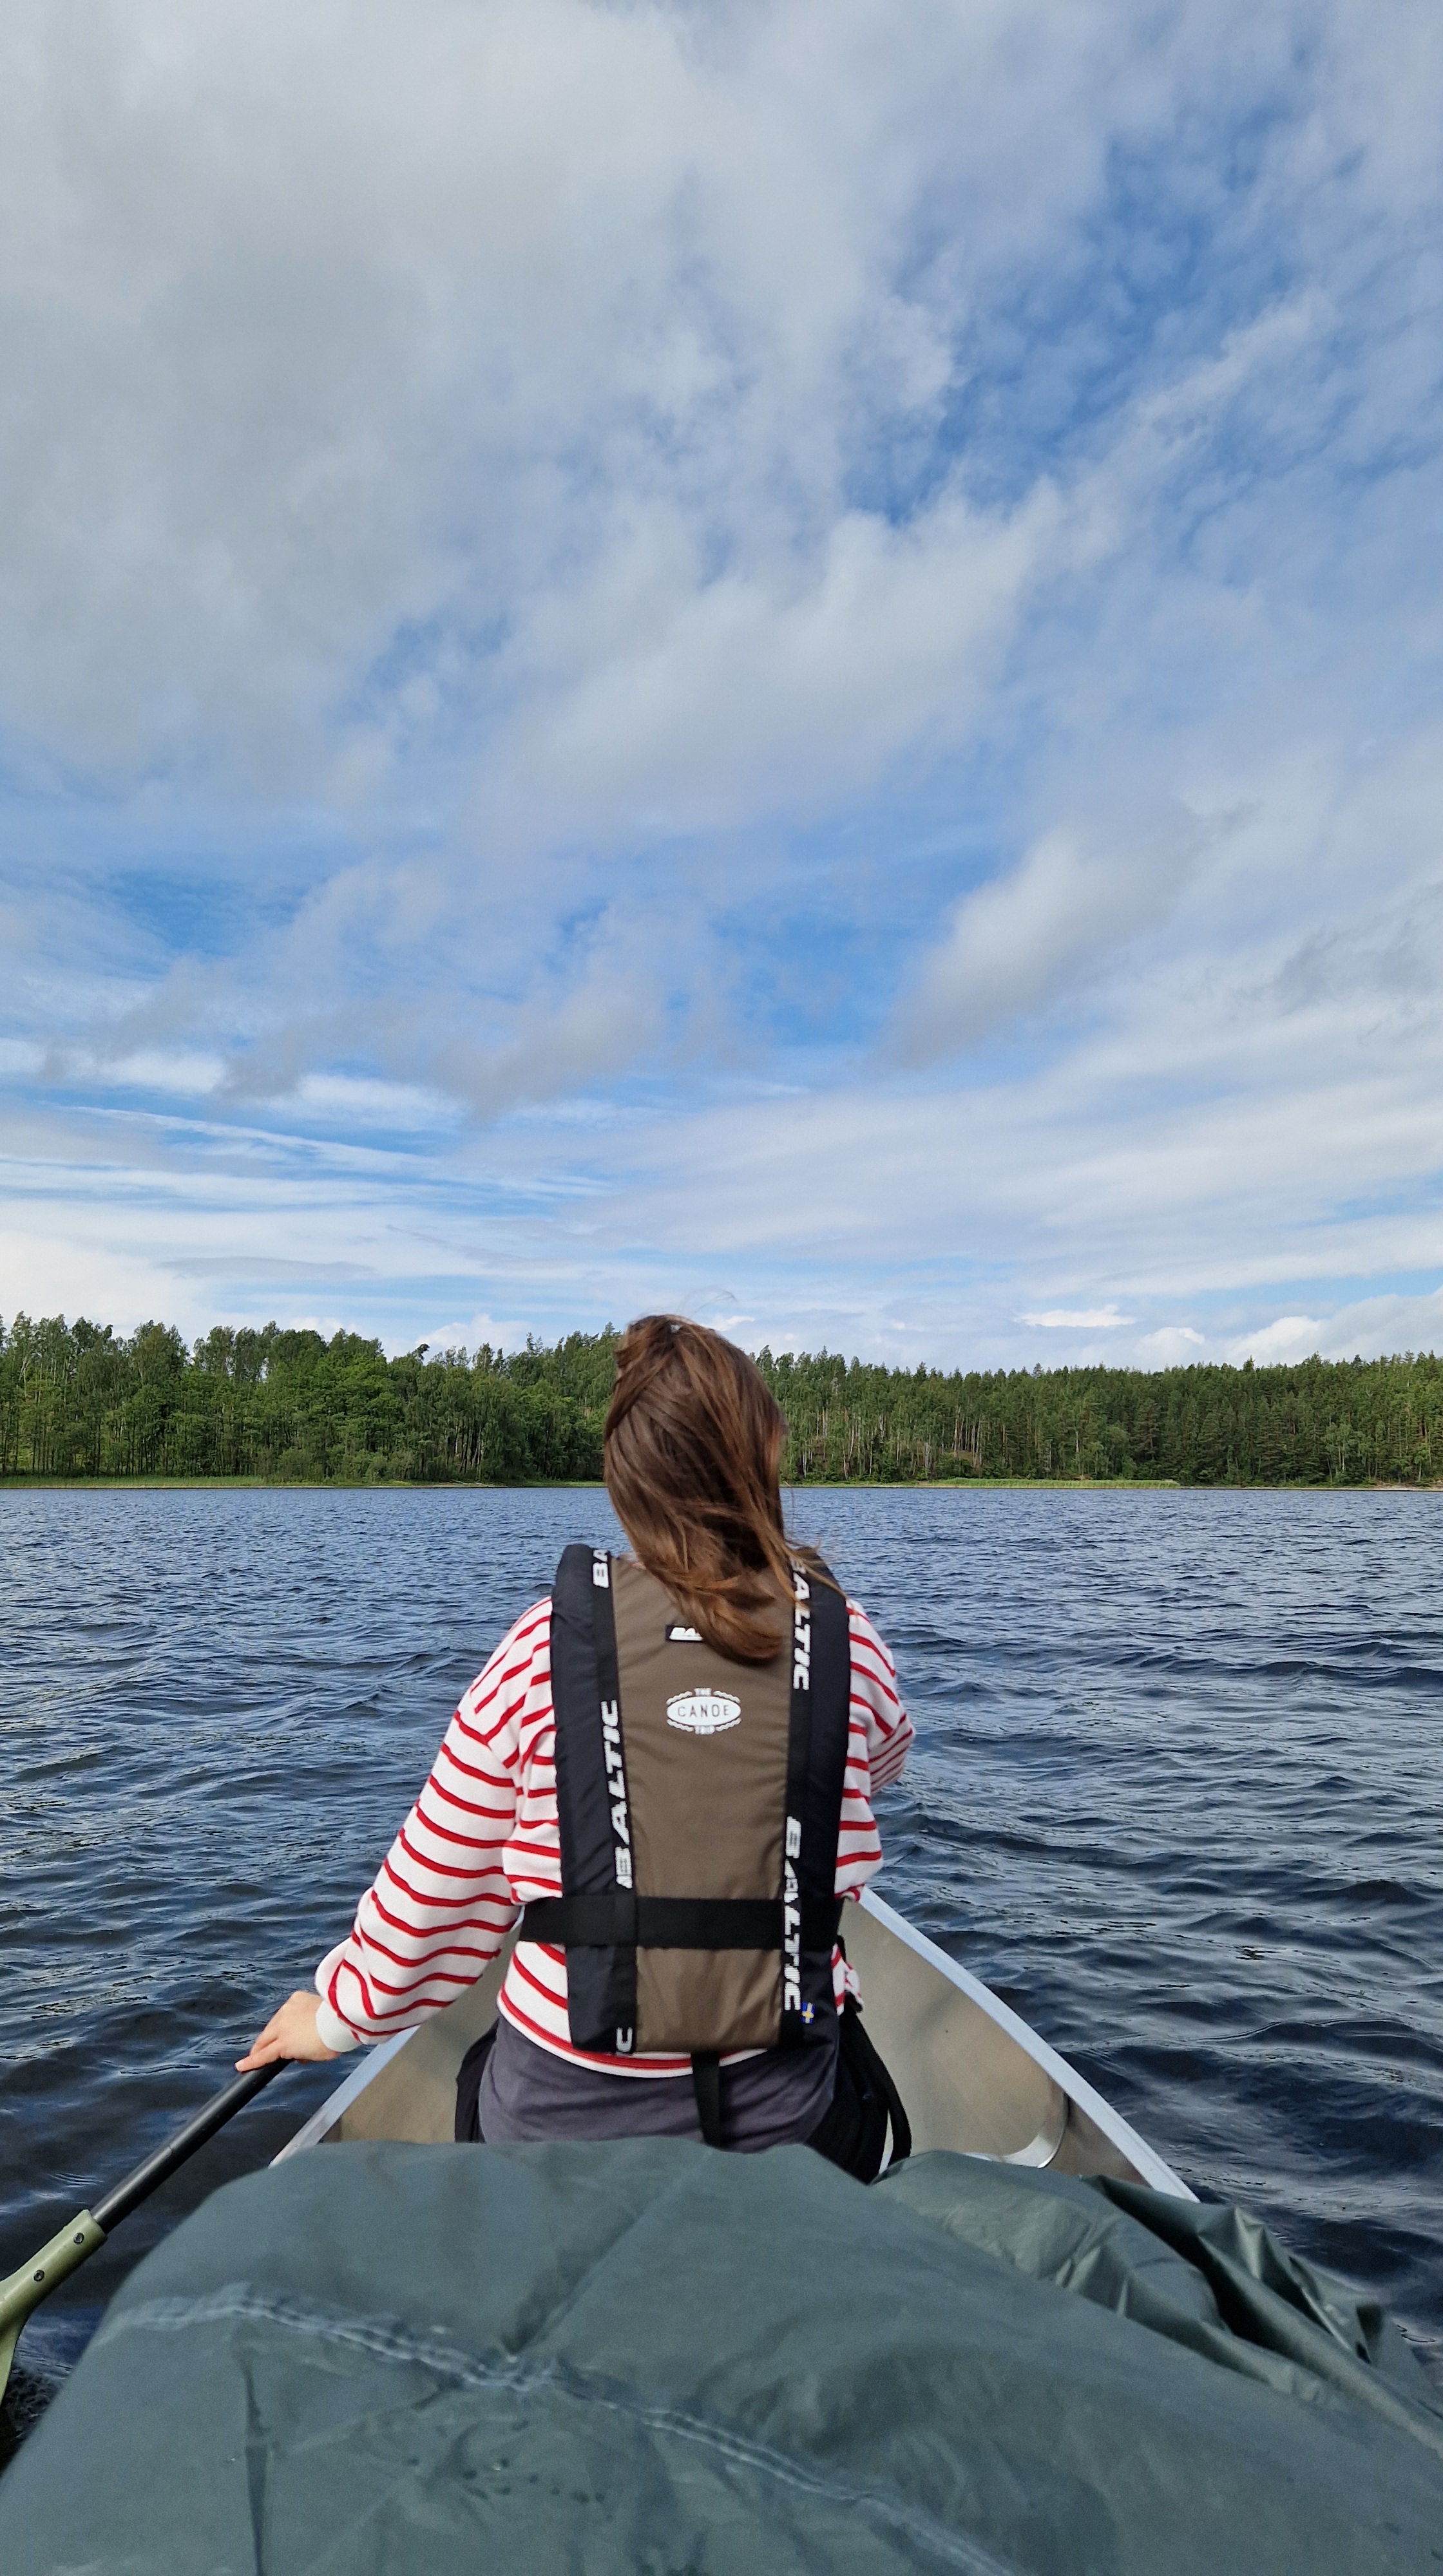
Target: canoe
[[387, 2362], [971, 2073]]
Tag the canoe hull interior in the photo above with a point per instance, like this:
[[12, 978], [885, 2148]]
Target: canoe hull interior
[[974, 2078]]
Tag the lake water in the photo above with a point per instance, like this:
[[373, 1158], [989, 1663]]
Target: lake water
[[1177, 1795]]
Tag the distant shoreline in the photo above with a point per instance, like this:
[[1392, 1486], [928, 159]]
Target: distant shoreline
[[151, 1411], [594, 1485]]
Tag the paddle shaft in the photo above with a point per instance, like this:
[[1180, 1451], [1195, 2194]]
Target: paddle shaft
[[168, 2159], [34, 2281]]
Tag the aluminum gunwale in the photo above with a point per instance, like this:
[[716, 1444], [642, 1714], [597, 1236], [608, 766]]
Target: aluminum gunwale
[[1153, 2168], [344, 2095]]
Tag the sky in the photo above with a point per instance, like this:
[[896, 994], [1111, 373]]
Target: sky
[[780, 658]]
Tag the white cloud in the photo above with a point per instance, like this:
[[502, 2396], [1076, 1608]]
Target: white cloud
[[1105, 1319], [182, 1070], [1171, 1346], [353, 1100], [475, 327], [1371, 1328], [786, 682], [79, 1272], [469, 1333], [1015, 943], [509, 383], [1292, 1337]]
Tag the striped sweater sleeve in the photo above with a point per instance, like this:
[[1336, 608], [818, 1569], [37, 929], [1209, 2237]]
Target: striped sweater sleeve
[[441, 1903], [879, 1734]]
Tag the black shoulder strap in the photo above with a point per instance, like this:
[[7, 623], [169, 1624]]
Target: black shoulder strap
[[591, 1802], [816, 1771]]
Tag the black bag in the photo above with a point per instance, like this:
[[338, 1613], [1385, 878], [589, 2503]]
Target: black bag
[[852, 2132], [468, 2088]]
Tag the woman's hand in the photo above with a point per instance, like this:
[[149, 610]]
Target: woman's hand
[[289, 2033]]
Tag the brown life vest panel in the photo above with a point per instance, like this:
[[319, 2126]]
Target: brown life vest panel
[[699, 1801]]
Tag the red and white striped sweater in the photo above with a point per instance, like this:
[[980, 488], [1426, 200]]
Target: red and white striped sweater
[[483, 1839]]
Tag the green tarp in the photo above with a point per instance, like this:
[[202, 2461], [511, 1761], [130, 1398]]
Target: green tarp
[[384, 2360]]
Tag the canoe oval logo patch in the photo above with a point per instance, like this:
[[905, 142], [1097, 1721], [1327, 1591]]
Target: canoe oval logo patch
[[703, 1712]]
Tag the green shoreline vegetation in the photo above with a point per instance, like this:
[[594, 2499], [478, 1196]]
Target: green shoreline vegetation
[[80, 1403]]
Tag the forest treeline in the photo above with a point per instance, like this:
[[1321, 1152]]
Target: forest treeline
[[81, 1400]]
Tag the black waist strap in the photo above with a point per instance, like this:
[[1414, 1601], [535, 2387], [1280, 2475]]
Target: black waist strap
[[617, 1920]]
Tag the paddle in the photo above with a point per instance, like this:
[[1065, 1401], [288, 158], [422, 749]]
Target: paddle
[[36, 2279]]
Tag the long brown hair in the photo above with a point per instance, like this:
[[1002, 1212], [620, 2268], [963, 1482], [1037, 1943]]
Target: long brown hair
[[694, 1440]]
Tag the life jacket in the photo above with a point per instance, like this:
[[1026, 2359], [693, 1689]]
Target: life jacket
[[699, 1801]]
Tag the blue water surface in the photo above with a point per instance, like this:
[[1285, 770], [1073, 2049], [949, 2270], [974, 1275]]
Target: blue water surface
[[1177, 1795]]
